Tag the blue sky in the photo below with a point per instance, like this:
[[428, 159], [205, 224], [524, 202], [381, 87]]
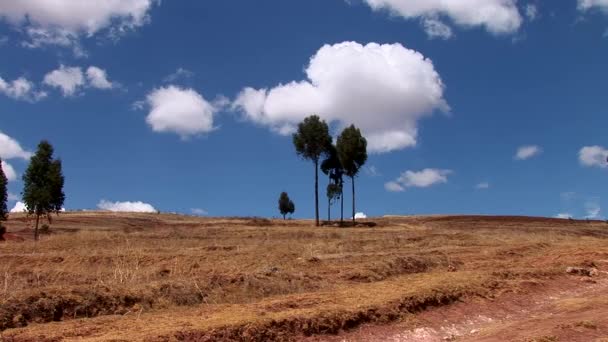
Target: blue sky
[[188, 106]]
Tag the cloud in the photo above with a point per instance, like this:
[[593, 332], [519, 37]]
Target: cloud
[[179, 110], [199, 211], [418, 179], [394, 187], [371, 171], [130, 207], [179, 73], [360, 216], [593, 156], [593, 209], [98, 78], [527, 152], [531, 11], [64, 22], [9, 172], [19, 208], [482, 186], [435, 28], [496, 16], [10, 148], [21, 89], [563, 216], [382, 89], [68, 79], [585, 5]]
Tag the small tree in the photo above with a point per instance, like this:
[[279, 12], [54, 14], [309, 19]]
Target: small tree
[[332, 167], [352, 151], [312, 140], [284, 204], [43, 184], [3, 200], [334, 192]]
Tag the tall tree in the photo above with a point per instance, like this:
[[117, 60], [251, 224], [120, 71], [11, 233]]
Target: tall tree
[[352, 151], [3, 200], [291, 208], [43, 184], [312, 140], [284, 204], [332, 167]]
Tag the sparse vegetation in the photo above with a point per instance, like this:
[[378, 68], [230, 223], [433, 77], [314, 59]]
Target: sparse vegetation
[[257, 279]]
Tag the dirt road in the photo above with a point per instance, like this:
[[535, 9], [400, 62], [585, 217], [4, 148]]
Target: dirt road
[[569, 309]]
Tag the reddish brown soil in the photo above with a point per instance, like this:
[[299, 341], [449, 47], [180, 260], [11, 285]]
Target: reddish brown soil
[[565, 309]]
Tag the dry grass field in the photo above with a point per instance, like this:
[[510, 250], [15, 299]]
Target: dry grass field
[[157, 277]]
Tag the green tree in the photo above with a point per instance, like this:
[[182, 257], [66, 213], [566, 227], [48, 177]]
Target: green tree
[[312, 140], [43, 184], [291, 207], [334, 192], [332, 167], [3, 200], [284, 204], [352, 151]]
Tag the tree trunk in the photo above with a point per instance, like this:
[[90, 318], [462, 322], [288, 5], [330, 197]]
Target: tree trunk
[[353, 183], [283, 217], [36, 228], [329, 206], [317, 192]]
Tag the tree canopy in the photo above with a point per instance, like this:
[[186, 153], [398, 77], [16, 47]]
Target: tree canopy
[[352, 152], [312, 140], [43, 184], [3, 195]]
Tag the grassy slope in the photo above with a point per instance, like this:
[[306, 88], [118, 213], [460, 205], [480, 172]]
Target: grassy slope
[[104, 276]]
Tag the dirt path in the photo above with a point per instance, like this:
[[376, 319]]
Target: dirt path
[[568, 309]]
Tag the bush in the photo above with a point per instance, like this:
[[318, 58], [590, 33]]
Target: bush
[[2, 232], [45, 229]]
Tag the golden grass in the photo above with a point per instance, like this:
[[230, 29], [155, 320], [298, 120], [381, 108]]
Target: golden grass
[[141, 276]]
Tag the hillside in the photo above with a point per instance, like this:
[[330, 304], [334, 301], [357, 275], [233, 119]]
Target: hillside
[[157, 277]]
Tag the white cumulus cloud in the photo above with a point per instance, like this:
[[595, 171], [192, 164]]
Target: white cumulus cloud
[[593, 209], [19, 208], [10, 148], [418, 179], [68, 79], [593, 156], [435, 28], [360, 216], [199, 211], [130, 207], [179, 110], [383, 89], [63, 22], [531, 11], [98, 78], [496, 16], [9, 171], [584, 5], [21, 89], [527, 152], [482, 186], [563, 216]]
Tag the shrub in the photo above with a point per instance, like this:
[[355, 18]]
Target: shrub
[[45, 229]]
